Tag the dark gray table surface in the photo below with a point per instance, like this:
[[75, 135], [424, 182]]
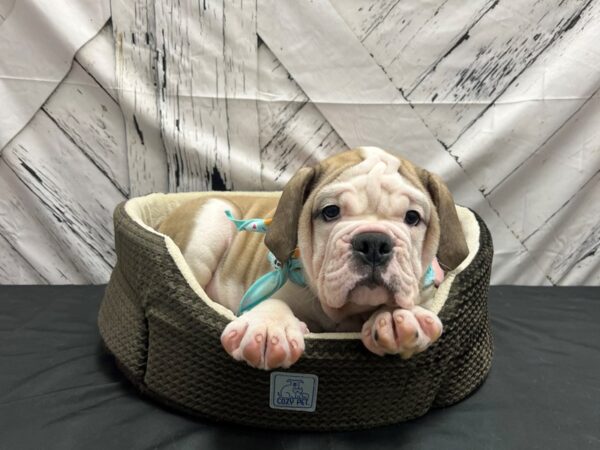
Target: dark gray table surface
[[59, 390]]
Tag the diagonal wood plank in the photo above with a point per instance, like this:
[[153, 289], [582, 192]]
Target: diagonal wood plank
[[489, 57], [97, 58], [567, 246], [135, 66], [207, 83], [408, 39], [357, 98], [69, 199], [293, 132], [93, 120], [25, 230], [14, 269]]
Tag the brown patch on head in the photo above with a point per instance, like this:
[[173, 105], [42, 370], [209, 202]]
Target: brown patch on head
[[444, 224], [282, 234]]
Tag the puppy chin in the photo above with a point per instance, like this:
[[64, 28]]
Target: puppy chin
[[360, 299], [372, 296]]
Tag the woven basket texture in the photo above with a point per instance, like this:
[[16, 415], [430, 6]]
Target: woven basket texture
[[166, 340]]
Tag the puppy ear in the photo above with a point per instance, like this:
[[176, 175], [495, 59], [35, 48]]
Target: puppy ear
[[282, 234], [452, 248]]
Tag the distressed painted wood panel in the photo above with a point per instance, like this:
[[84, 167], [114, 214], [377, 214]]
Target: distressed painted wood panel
[[26, 231], [487, 59], [408, 39], [136, 74], [207, 94], [70, 198]]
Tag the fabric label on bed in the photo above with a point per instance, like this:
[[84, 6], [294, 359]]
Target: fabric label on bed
[[294, 391]]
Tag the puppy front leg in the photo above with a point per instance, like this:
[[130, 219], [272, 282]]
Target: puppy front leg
[[266, 337], [401, 331]]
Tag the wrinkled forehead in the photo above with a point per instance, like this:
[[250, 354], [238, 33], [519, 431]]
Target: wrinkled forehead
[[374, 185]]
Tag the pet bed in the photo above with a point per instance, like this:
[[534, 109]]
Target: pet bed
[[164, 333]]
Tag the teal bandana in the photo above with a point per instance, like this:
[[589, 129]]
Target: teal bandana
[[271, 282], [429, 277]]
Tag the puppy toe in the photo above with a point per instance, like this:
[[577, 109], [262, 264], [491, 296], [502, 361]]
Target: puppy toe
[[253, 347], [232, 335], [367, 337], [406, 327], [429, 323], [383, 332], [295, 340], [277, 351]]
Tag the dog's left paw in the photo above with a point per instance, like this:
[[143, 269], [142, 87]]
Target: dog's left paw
[[401, 331]]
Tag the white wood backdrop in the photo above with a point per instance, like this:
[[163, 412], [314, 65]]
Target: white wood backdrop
[[499, 97]]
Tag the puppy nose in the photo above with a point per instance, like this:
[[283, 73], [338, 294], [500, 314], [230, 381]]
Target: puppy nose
[[373, 248]]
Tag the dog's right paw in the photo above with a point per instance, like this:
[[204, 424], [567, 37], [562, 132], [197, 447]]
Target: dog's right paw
[[265, 341]]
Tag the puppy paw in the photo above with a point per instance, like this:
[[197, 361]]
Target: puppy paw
[[265, 341], [401, 331]]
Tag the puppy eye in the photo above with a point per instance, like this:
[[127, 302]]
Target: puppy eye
[[412, 218], [330, 212]]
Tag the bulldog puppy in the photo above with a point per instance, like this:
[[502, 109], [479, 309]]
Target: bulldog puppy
[[367, 224]]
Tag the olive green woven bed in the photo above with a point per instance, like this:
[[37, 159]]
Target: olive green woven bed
[[164, 333]]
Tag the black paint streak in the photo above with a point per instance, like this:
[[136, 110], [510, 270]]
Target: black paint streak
[[31, 171], [164, 66], [133, 38], [177, 171], [587, 255], [463, 38], [572, 22], [147, 38], [138, 130], [217, 183]]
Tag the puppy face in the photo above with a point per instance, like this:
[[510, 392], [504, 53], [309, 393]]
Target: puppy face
[[365, 247], [367, 228]]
